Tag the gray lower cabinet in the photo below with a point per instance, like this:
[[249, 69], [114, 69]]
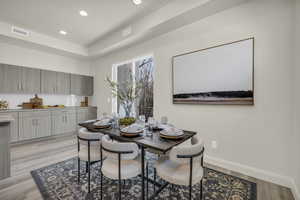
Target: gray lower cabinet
[[35, 124], [63, 121], [88, 113], [14, 126]]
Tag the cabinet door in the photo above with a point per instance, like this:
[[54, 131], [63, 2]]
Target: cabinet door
[[27, 128], [82, 115], [58, 120], [63, 83], [43, 127], [48, 82], [92, 113], [31, 80], [12, 79], [70, 121], [2, 76], [88, 85], [76, 84], [14, 134]]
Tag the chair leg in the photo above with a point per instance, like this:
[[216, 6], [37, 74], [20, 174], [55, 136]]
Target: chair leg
[[86, 167], [78, 170], [154, 188], [89, 176], [101, 185], [190, 192], [120, 182], [147, 183], [201, 189]]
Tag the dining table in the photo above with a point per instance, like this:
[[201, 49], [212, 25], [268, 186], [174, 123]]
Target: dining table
[[153, 143]]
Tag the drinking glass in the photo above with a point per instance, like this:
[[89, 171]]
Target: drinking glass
[[164, 120]]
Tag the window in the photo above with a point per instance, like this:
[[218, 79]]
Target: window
[[141, 69]]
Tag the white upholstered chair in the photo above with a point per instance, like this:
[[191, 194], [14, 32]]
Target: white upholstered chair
[[121, 161], [184, 165], [88, 150]]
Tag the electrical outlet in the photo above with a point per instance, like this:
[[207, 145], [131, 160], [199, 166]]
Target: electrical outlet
[[214, 144]]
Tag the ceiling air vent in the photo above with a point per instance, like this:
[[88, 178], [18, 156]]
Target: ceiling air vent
[[19, 31]]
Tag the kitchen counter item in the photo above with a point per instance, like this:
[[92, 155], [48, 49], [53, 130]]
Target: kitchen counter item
[[36, 102]]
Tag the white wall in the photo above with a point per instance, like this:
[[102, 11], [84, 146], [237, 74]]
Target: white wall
[[255, 136], [28, 57], [296, 134]]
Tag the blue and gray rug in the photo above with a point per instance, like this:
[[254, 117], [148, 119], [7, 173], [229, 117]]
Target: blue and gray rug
[[59, 181]]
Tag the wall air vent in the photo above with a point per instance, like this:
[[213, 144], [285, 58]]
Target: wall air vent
[[19, 31]]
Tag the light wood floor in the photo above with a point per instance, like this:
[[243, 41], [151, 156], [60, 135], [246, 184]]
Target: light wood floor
[[35, 155]]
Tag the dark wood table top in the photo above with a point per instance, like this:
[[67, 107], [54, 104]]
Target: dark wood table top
[[152, 142]]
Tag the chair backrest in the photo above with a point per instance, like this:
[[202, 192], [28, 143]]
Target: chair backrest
[[86, 135], [114, 146], [195, 147]]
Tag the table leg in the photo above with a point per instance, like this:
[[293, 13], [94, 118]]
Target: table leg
[[143, 171]]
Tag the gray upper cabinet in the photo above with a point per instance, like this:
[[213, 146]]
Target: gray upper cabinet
[[88, 86], [31, 80], [76, 84], [16, 79], [82, 85], [55, 82], [63, 83], [11, 79], [2, 75], [48, 83]]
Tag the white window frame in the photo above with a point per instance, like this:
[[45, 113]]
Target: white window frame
[[114, 102]]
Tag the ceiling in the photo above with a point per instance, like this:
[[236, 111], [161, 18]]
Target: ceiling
[[51, 16]]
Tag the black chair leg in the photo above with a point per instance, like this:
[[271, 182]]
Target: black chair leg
[[154, 188], [78, 170], [201, 189], [86, 167], [89, 176], [190, 195], [101, 185], [147, 183]]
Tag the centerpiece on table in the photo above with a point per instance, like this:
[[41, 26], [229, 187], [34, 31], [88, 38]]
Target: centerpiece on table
[[127, 94]]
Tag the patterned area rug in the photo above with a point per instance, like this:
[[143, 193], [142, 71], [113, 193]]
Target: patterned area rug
[[59, 181]]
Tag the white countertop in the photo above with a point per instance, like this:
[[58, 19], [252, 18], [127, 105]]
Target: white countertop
[[6, 118]]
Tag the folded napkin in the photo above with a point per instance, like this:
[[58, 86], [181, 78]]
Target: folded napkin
[[165, 126], [90, 121], [103, 122], [172, 131], [133, 128]]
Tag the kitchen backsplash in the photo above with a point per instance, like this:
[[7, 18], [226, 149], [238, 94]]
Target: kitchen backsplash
[[16, 99]]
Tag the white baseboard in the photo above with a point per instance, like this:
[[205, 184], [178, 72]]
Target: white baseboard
[[256, 173]]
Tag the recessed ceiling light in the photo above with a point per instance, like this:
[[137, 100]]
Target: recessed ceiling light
[[137, 2], [63, 32], [83, 13]]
